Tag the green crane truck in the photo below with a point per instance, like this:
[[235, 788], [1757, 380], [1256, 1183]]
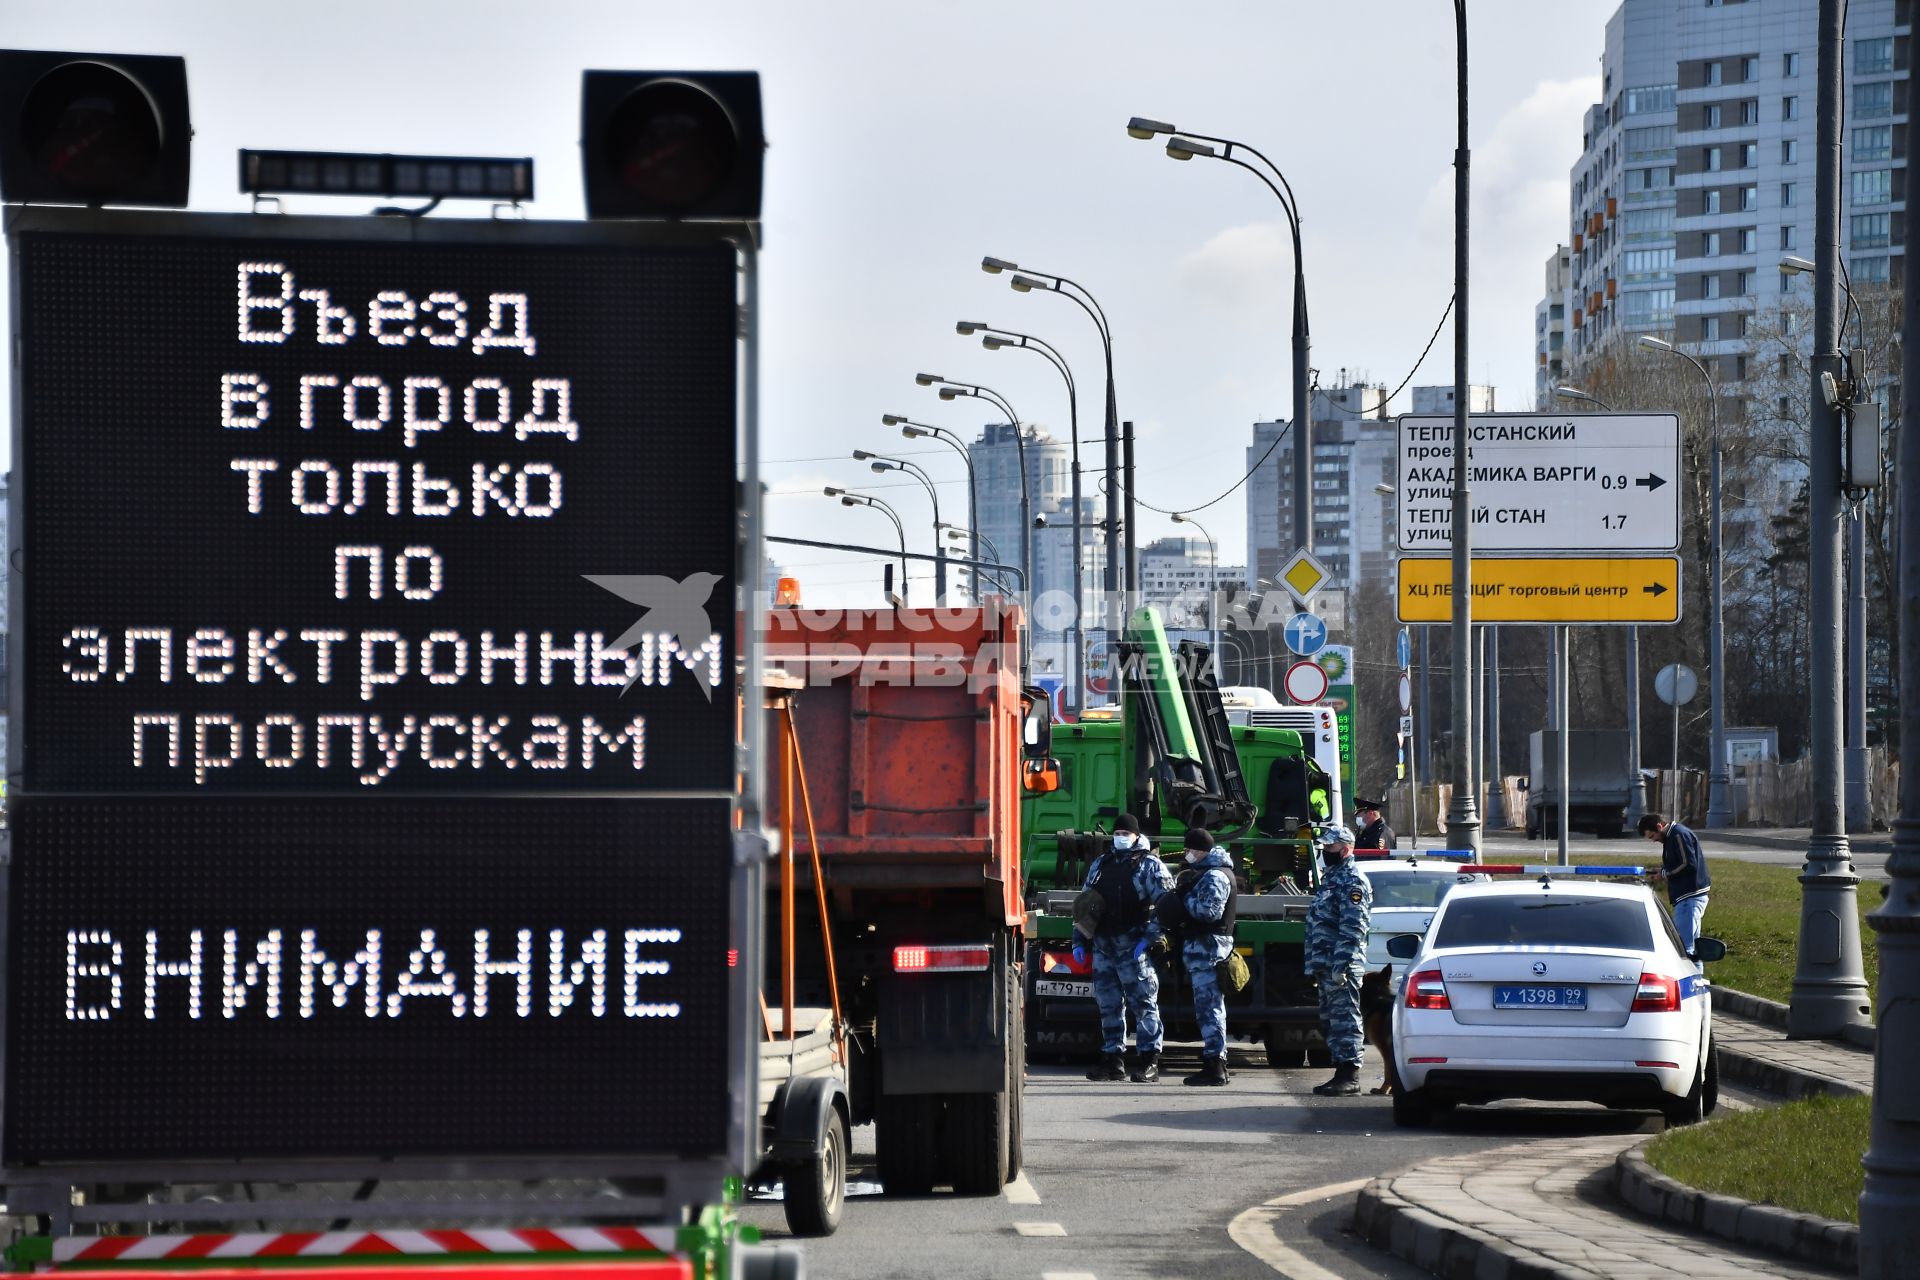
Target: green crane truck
[[1174, 760]]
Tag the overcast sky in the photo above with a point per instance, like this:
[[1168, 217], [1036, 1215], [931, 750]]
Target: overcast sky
[[909, 138]]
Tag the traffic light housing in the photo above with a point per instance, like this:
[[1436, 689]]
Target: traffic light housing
[[93, 128], [672, 144]]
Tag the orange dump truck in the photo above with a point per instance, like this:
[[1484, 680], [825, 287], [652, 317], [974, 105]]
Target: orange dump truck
[[907, 751]]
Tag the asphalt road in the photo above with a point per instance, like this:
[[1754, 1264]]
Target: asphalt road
[[1135, 1181]]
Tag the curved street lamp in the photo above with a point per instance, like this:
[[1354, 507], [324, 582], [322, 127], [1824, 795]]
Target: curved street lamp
[[950, 390], [920, 430], [880, 464], [1185, 146], [1026, 280], [1718, 812], [994, 340], [849, 499]]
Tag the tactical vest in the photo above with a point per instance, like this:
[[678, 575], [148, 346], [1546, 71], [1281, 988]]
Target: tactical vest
[[1229, 916]]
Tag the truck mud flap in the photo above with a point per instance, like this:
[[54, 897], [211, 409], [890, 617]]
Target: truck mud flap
[[944, 1032]]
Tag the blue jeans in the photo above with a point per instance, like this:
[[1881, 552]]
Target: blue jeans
[[1686, 919]]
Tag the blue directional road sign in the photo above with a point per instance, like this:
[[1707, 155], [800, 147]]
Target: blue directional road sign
[[1306, 635], [1405, 649]]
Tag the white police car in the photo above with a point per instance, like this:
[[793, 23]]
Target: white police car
[[1554, 989], [1406, 894]]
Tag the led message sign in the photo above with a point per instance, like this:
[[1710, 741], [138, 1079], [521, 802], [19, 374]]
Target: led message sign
[[370, 585]]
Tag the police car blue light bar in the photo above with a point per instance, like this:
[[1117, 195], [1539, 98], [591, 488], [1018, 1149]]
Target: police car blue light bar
[[1516, 869], [1415, 855]]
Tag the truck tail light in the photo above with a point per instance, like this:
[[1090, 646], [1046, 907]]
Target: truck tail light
[[963, 958], [1656, 994], [1427, 990]]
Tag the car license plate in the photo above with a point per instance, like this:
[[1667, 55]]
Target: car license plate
[[1539, 997], [1063, 987]]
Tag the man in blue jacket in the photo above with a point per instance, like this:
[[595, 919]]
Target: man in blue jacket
[[1129, 879], [1337, 922], [1200, 910], [1684, 867]]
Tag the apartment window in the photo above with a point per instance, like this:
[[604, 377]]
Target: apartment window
[[1649, 222], [1709, 286], [1875, 142], [1786, 366], [1869, 230], [1789, 150], [1740, 362], [1654, 97], [1740, 326], [1789, 64], [1709, 328], [1790, 108], [1710, 73], [1748, 240], [1872, 186], [1787, 237], [1657, 137], [1649, 179], [1710, 116], [1788, 195], [1749, 69], [1742, 283], [1871, 57], [1868, 270], [1709, 202], [1710, 244], [1749, 155], [1873, 99], [1749, 199], [1710, 159], [1645, 261], [1785, 406], [1750, 111]]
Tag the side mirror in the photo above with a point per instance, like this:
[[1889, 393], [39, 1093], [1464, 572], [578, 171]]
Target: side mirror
[[1403, 946], [1708, 950], [1036, 724], [1041, 777]]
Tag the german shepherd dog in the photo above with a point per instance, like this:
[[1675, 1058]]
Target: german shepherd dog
[[1376, 1022]]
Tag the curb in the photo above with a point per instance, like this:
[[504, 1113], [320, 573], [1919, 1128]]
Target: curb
[[1388, 1221], [1800, 1236], [1772, 1013], [1788, 1082]]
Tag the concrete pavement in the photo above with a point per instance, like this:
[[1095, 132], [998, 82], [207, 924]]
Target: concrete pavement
[[1585, 1207]]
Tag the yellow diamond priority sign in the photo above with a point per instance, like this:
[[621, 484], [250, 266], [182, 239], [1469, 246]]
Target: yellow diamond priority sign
[[1304, 575]]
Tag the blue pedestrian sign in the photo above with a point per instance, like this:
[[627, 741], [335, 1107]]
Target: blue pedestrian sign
[[1405, 649], [1306, 635]]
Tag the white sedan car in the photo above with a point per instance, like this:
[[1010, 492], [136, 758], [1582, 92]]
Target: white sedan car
[[1558, 990]]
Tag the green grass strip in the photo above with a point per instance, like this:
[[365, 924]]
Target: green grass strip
[[1801, 1155]]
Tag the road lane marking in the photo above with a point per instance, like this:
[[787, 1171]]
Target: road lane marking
[[1039, 1228], [1253, 1230], [1068, 1275], [1020, 1191]]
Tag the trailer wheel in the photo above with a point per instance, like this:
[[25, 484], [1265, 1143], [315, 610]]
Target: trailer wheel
[[816, 1190], [905, 1134], [975, 1151]]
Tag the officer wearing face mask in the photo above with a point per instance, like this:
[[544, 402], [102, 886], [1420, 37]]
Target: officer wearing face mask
[[1337, 922], [1200, 908]]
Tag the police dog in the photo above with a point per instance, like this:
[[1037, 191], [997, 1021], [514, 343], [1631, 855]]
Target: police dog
[[1376, 1022]]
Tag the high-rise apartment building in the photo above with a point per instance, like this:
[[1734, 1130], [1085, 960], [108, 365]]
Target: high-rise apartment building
[[996, 473], [1550, 329], [1696, 171]]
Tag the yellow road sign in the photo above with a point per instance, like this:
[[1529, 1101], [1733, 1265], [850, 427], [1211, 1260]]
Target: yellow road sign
[[1305, 574], [1593, 591]]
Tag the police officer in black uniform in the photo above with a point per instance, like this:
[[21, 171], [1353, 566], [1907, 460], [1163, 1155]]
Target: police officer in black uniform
[[1374, 831]]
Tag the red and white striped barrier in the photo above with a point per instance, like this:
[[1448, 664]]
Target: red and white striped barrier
[[364, 1244], [652, 1269]]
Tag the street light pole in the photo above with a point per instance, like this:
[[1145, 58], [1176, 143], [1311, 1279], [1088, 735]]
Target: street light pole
[[950, 390], [1182, 145], [880, 464], [848, 499], [1637, 791], [1829, 983], [1463, 810], [1213, 586], [1719, 813], [1026, 280], [993, 340], [918, 430], [1890, 1204]]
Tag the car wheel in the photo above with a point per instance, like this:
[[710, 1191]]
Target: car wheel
[[1692, 1108], [1412, 1109]]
